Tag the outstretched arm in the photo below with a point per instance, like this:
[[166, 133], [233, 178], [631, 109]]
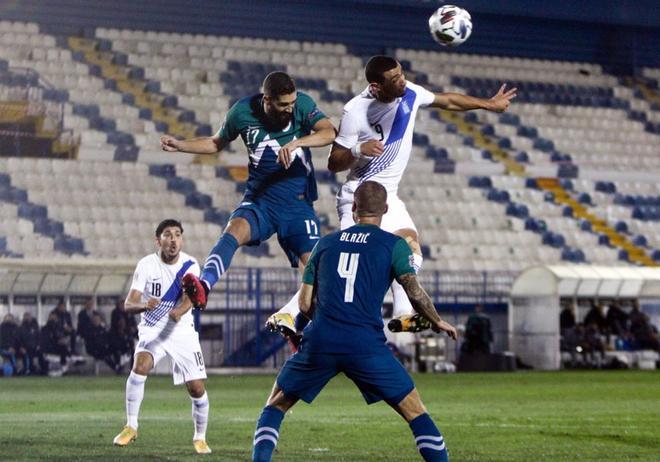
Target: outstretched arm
[[457, 102], [205, 145], [422, 303], [324, 134]]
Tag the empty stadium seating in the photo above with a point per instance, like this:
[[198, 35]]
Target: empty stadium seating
[[471, 185]]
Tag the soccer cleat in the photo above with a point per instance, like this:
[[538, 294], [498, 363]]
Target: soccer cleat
[[409, 323], [201, 447], [282, 323], [195, 290], [127, 435]]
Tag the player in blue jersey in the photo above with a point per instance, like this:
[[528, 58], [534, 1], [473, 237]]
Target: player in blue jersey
[[278, 127], [343, 287], [166, 329]]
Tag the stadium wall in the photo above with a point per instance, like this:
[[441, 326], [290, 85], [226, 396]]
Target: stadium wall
[[621, 35]]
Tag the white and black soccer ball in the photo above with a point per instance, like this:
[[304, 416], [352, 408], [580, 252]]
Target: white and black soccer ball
[[450, 25]]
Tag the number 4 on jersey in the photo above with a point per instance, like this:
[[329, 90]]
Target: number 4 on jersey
[[347, 269]]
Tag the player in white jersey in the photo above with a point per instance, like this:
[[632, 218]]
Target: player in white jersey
[[375, 142], [166, 329]]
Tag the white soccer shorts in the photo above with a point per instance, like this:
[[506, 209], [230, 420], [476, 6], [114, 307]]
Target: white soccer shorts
[[396, 218], [180, 342]]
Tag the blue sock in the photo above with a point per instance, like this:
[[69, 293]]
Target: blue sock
[[430, 443], [266, 434], [218, 261]]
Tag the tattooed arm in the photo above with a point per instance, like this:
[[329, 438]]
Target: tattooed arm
[[422, 303]]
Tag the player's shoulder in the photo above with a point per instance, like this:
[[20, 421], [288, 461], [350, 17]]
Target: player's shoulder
[[359, 101], [414, 87], [148, 261], [187, 258], [304, 100], [243, 108]]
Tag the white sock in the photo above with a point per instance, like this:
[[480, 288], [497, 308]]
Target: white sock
[[134, 395], [292, 307], [200, 415], [401, 304]]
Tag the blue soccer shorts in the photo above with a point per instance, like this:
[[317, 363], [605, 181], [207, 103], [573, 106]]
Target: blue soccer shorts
[[378, 376], [295, 223]]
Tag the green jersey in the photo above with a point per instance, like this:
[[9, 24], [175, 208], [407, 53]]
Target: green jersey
[[269, 180]]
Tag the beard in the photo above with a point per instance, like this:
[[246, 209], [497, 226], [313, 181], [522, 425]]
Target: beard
[[279, 120]]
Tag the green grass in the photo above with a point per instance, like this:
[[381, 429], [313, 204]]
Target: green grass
[[567, 416]]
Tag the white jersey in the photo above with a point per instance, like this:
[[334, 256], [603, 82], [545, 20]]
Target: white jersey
[[365, 118], [155, 278]]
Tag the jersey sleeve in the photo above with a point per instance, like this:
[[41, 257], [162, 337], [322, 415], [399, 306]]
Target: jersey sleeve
[[309, 275], [424, 97], [310, 112], [349, 129], [140, 277], [402, 259], [230, 127]]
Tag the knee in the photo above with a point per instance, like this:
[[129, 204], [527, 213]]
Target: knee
[[196, 388], [280, 401]]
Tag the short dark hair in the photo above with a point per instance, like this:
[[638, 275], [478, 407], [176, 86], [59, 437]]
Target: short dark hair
[[166, 224], [370, 199], [278, 83], [377, 66]]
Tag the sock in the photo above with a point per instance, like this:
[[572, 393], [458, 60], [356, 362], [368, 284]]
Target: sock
[[430, 443], [218, 261], [134, 395], [200, 415], [400, 303], [293, 308], [266, 434]]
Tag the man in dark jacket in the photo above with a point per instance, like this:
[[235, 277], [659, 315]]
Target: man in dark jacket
[[28, 345]]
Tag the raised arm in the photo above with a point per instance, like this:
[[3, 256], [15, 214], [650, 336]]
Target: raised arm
[[323, 134], [423, 304], [207, 145], [458, 102], [134, 304]]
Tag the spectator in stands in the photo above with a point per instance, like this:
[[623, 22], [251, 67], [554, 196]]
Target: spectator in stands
[[478, 332], [121, 342], [593, 345], [9, 340], [85, 319], [617, 320], [596, 316], [97, 343], [66, 325], [645, 334], [567, 317], [29, 349], [119, 313], [54, 340]]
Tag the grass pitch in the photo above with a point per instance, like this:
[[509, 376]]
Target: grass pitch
[[536, 416]]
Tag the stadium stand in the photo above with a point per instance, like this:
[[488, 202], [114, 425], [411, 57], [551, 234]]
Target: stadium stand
[[123, 88]]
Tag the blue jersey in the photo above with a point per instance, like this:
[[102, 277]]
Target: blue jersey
[[267, 179], [351, 270]]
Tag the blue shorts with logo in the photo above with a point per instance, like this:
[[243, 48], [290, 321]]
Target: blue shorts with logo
[[295, 223], [379, 376]]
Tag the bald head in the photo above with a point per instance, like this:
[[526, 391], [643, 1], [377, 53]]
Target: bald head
[[370, 200]]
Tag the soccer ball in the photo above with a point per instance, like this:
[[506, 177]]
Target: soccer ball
[[450, 25]]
